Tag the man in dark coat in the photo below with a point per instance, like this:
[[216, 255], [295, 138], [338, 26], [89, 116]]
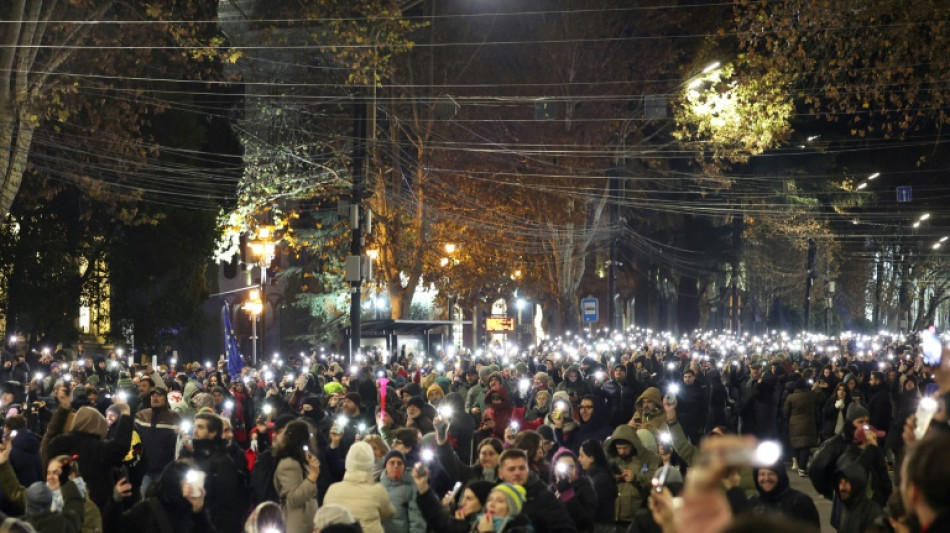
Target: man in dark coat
[[158, 428], [620, 396], [879, 402], [547, 513], [775, 495], [857, 512], [225, 500], [693, 407]]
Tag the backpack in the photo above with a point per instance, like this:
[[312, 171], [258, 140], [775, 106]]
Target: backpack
[[262, 480]]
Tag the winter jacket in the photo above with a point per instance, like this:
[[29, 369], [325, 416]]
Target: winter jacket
[[642, 463], [297, 494], [859, 513], [620, 397], [606, 488], [462, 427], [832, 413], [579, 495], [97, 457], [546, 512], [25, 457], [367, 500], [576, 387], [226, 498], [879, 406], [836, 454], [402, 494], [166, 512], [800, 408], [595, 428], [784, 500], [457, 470], [503, 415], [158, 430]]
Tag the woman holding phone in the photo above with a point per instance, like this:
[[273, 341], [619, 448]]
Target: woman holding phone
[[296, 476]]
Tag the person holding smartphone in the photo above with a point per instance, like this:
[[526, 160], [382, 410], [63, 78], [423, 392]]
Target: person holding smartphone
[[296, 475]]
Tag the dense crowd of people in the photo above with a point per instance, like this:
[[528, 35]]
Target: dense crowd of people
[[612, 432]]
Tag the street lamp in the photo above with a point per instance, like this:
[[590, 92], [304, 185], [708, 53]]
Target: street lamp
[[263, 248], [255, 307]]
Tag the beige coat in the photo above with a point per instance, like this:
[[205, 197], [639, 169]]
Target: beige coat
[[364, 497], [298, 496]]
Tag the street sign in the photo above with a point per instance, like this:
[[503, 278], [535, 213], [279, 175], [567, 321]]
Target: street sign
[[904, 194], [495, 324], [589, 309]]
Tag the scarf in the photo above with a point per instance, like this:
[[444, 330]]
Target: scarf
[[58, 502]]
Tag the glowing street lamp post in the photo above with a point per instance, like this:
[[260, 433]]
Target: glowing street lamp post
[[255, 307], [263, 248]]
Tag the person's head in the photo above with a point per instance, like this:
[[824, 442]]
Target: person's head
[[295, 436], [841, 392], [565, 465], [351, 404], [924, 476], [217, 396], [767, 479], [591, 454], [494, 381], [586, 408], [55, 469], [844, 489], [530, 442], [158, 398], [910, 384], [265, 518], [414, 407], [489, 450], [689, 377], [227, 432], [207, 427], [623, 448], [435, 394], [145, 386], [405, 440], [474, 496], [333, 517], [877, 379], [379, 445], [513, 466], [620, 373], [506, 499], [394, 464]]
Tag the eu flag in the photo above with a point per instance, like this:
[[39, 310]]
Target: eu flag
[[235, 363]]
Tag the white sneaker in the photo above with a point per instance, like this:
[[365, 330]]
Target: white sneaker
[[802, 473], [795, 463]]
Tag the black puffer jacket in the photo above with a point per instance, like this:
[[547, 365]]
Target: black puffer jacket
[[784, 500]]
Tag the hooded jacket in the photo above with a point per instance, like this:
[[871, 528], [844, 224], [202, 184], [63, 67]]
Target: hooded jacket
[[367, 500], [547, 513], [595, 428], [654, 420], [578, 387], [97, 457], [503, 414], [157, 429], [858, 513], [642, 463], [784, 500], [462, 428]]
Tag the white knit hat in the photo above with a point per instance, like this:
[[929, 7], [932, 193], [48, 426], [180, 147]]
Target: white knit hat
[[360, 458]]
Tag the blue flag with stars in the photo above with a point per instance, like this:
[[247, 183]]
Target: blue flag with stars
[[235, 363]]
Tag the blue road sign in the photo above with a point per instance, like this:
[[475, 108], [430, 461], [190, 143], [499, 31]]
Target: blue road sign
[[905, 194], [589, 309]]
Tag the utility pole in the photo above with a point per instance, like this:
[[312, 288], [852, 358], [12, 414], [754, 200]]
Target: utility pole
[[737, 228], [354, 270], [614, 199], [809, 279], [877, 291]]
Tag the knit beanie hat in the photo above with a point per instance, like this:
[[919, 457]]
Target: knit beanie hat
[[93, 380], [38, 498], [90, 420], [855, 411], [394, 453], [333, 388], [434, 388], [353, 397], [481, 489], [483, 372], [514, 494], [360, 458]]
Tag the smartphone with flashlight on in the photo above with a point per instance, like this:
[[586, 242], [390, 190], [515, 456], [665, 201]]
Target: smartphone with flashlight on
[[931, 347], [195, 480]]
